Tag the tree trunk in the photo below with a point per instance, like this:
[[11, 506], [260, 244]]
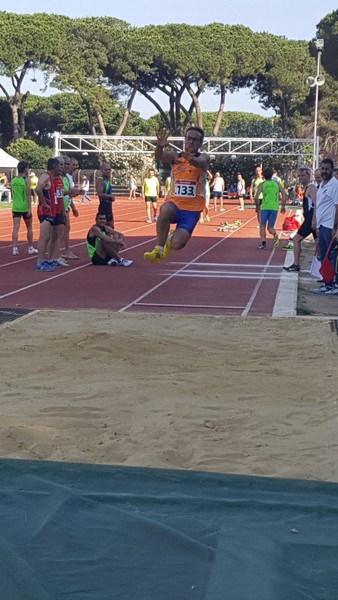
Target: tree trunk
[[22, 120], [126, 113], [220, 111], [91, 125], [100, 123], [159, 108], [197, 106], [283, 107], [15, 120]]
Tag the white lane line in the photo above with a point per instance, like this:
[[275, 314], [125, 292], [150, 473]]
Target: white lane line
[[228, 276], [156, 287], [244, 265], [259, 282], [82, 243], [52, 277], [207, 306], [258, 285]]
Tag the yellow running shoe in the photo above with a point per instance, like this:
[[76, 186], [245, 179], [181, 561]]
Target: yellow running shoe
[[154, 256], [167, 246]]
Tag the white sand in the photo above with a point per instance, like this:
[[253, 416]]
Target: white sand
[[252, 396]]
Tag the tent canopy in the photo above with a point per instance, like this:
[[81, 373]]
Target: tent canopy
[[7, 161]]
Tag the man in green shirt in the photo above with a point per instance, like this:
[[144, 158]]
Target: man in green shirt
[[269, 205], [21, 207]]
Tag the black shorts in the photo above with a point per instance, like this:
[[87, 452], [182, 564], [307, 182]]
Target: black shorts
[[58, 219], [106, 209], [17, 214], [47, 218], [306, 227], [150, 198], [98, 260], [217, 194]]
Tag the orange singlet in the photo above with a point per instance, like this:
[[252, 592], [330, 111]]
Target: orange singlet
[[187, 186]]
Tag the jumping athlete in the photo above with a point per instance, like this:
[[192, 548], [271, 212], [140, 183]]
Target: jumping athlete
[[186, 196]]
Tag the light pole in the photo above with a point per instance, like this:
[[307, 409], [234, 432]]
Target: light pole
[[316, 82]]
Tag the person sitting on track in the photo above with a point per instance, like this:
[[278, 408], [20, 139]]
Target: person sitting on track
[[186, 197], [104, 244]]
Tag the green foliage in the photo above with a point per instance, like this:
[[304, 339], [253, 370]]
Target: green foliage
[[282, 84], [327, 29], [28, 150]]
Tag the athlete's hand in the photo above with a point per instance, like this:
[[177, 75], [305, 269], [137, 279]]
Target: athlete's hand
[[75, 211], [162, 138]]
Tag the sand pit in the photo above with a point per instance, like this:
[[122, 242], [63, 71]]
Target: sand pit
[[252, 396]]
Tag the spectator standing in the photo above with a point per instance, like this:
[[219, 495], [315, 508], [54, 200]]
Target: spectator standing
[[150, 193], [34, 180], [325, 220], [240, 191], [85, 188], [269, 206], [306, 228], [132, 188], [21, 207], [105, 194], [218, 185]]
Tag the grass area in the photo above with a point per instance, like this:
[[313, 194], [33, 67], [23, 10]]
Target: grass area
[[5, 205]]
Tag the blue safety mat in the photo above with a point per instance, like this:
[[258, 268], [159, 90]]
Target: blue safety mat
[[87, 532]]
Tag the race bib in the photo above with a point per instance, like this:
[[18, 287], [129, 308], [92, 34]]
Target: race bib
[[59, 193], [185, 189]]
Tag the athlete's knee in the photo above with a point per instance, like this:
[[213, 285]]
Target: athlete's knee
[[167, 210], [179, 239]]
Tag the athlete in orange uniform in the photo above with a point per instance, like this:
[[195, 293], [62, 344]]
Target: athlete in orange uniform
[[186, 196]]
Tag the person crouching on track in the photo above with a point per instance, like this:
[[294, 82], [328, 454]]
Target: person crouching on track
[[104, 244]]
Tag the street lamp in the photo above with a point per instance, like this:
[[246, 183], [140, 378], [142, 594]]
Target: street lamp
[[316, 82]]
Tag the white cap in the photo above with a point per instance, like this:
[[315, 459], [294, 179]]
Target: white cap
[[32, 175]]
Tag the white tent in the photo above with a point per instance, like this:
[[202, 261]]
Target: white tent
[[7, 161]]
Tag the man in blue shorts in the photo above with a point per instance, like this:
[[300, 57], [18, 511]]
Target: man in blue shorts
[[186, 197], [272, 192]]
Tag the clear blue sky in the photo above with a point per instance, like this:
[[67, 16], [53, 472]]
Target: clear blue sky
[[294, 19]]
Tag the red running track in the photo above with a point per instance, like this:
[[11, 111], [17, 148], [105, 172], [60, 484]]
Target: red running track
[[217, 273]]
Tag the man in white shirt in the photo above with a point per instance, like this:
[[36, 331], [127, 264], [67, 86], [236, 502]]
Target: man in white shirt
[[326, 221], [217, 186]]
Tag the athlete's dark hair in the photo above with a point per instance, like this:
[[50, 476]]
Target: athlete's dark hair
[[52, 163], [328, 161], [100, 214], [267, 173], [198, 129], [22, 165]]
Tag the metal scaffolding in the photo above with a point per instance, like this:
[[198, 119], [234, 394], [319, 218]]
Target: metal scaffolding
[[301, 149]]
